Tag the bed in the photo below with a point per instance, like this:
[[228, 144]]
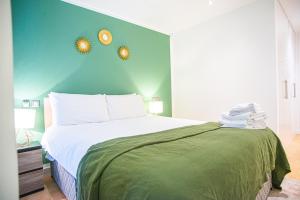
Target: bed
[[153, 157]]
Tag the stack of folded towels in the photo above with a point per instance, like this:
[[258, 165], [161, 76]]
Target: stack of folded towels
[[247, 115]]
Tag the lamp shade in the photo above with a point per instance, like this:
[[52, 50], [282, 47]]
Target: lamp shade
[[24, 118], [156, 106]]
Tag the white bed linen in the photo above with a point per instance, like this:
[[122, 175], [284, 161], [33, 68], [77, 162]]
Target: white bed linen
[[68, 144]]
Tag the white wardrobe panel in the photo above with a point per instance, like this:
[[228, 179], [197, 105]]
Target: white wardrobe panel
[[286, 57], [297, 86]]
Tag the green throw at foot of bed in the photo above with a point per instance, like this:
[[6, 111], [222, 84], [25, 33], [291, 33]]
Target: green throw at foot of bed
[[201, 162]]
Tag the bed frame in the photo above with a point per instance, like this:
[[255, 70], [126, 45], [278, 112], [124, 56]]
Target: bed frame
[[47, 113], [67, 183]]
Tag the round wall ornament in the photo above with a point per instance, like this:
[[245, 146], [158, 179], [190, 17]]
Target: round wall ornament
[[83, 45], [123, 52], [105, 37]]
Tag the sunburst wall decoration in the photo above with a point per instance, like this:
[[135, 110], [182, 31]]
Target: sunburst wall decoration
[[123, 52], [83, 45], [105, 37]]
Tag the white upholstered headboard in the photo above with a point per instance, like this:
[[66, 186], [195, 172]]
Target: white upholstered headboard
[[47, 113]]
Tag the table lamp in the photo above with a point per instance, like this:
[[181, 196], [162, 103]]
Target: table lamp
[[156, 106], [24, 120]]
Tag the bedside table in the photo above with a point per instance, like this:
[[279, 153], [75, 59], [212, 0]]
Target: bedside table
[[30, 169]]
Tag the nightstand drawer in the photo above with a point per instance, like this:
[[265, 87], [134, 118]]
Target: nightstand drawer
[[30, 160], [31, 181]]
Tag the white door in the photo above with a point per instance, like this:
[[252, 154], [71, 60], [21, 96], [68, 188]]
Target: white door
[[285, 37]]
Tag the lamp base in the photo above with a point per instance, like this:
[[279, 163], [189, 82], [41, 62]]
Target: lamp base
[[27, 138]]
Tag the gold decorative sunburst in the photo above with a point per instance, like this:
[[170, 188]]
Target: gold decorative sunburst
[[123, 52], [83, 45], [105, 37]]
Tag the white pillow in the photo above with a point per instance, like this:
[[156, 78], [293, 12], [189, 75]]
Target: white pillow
[[74, 109], [125, 106]]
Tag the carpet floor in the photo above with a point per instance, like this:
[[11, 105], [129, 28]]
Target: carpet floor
[[290, 191]]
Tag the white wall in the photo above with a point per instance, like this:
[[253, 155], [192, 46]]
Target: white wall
[[8, 155], [224, 61]]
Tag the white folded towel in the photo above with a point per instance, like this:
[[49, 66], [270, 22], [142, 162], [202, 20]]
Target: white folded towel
[[261, 124], [258, 125], [245, 116], [241, 122], [234, 122], [232, 126], [244, 108]]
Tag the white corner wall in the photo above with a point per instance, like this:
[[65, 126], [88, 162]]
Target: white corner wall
[[8, 154], [227, 60]]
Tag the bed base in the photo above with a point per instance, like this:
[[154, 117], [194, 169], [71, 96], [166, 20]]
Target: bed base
[[67, 183]]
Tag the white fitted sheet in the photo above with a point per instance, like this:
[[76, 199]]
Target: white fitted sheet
[[68, 144]]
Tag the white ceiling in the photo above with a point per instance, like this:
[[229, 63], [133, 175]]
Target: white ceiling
[[169, 16]]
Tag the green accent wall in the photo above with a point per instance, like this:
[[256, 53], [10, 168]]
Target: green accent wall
[[45, 57]]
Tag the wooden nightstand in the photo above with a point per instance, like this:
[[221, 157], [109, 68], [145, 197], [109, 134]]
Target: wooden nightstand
[[30, 169]]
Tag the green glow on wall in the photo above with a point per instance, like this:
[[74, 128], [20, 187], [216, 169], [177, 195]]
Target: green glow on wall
[[45, 58]]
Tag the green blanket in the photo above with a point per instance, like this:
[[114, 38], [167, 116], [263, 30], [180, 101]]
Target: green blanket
[[201, 162]]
